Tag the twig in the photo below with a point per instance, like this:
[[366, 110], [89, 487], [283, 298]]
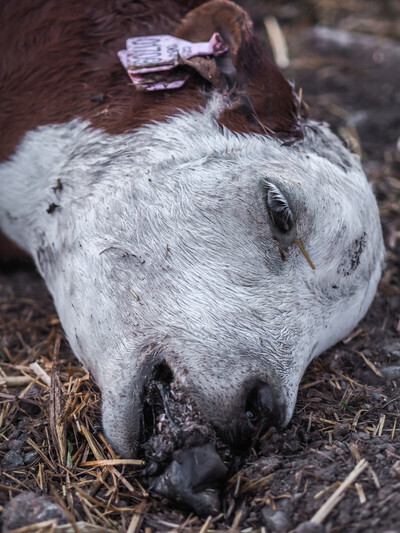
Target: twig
[[15, 381], [47, 524], [40, 373], [137, 519], [206, 524], [361, 493], [42, 455], [374, 478], [278, 42], [336, 497], [112, 462], [303, 251], [352, 335], [369, 363], [56, 405], [68, 514], [6, 488]]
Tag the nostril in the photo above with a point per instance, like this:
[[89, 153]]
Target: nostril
[[163, 373], [262, 409]]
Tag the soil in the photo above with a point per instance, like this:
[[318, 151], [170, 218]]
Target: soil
[[345, 57]]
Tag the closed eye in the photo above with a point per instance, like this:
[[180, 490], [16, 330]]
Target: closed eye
[[281, 215]]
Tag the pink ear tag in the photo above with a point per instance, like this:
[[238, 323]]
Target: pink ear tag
[[145, 57]]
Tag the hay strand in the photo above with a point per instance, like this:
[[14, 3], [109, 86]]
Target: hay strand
[[339, 493]]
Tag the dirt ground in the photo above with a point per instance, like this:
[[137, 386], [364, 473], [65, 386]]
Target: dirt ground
[[345, 57]]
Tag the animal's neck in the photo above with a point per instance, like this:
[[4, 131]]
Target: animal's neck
[[58, 167], [29, 181]]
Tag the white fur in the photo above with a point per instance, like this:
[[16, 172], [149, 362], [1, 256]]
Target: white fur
[[174, 214]]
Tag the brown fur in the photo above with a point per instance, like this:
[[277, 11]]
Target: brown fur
[[59, 62], [262, 100]]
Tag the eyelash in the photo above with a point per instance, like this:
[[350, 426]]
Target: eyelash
[[279, 210]]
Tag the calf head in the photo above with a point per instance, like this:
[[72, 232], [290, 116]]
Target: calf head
[[193, 262], [179, 243]]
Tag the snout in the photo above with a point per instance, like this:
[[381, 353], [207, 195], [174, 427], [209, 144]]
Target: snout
[[186, 449], [236, 415], [187, 432]]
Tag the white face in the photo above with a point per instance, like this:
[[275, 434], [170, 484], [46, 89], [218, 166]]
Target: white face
[[175, 250]]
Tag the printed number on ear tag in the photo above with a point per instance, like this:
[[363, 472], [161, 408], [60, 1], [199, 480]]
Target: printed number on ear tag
[[145, 56]]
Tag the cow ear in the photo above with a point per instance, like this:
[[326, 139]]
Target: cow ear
[[225, 18], [260, 99]]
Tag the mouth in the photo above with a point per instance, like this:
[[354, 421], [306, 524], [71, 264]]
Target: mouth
[[186, 461]]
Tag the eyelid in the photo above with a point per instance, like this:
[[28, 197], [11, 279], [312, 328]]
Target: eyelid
[[280, 211], [283, 223]]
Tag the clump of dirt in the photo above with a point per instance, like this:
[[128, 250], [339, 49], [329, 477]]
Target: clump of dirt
[[184, 457]]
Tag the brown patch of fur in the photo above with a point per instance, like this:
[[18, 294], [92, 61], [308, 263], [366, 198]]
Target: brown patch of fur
[[57, 57], [59, 62], [262, 100]]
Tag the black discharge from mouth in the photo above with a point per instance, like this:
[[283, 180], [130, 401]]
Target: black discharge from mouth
[[185, 460]]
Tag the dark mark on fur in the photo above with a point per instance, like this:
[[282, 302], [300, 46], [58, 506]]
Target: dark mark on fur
[[52, 207], [352, 257], [58, 187]]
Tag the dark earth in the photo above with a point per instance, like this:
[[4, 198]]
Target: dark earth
[[345, 57]]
